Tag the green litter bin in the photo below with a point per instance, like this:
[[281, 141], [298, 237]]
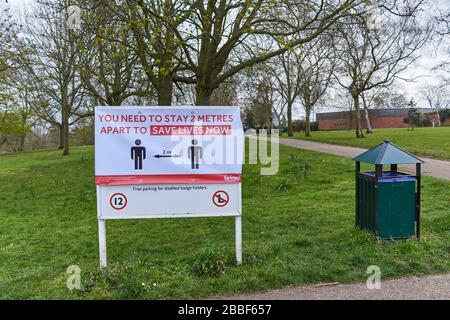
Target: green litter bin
[[388, 202]]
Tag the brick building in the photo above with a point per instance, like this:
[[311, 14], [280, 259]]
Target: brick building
[[380, 118]]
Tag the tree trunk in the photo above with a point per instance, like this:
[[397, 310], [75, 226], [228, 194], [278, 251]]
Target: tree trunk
[[366, 115], [165, 91], [308, 122], [369, 124], [24, 127], [65, 121], [289, 119], [359, 133], [21, 147], [61, 136], [168, 49], [203, 96]]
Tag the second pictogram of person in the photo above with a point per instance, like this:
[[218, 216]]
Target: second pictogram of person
[[195, 153]]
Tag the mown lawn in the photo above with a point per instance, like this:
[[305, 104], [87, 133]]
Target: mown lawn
[[431, 142], [297, 230]]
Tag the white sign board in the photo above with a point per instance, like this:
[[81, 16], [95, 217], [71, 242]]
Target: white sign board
[[159, 162], [169, 200]]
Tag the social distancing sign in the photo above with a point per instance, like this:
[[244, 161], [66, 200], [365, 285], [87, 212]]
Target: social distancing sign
[[168, 162]]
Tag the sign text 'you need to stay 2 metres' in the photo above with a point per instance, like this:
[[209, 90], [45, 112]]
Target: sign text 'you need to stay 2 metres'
[[169, 124]]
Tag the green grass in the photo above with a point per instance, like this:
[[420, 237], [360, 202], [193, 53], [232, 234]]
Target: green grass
[[431, 142], [297, 229]]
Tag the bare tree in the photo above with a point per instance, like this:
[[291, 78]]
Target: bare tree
[[369, 98], [227, 93], [265, 76], [316, 72], [437, 97], [284, 76], [5, 35], [374, 57], [304, 74], [261, 106], [15, 111], [221, 38], [8, 32], [109, 69], [50, 53], [153, 26], [207, 43], [442, 19], [22, 93], [388, 97]]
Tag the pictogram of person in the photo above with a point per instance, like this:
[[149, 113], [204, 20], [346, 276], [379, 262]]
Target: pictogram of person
[[195, 153], [138, 154]]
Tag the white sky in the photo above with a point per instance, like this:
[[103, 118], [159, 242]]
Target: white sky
[[421, 70]]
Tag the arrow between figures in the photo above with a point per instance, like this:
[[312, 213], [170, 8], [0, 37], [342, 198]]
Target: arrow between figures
[[167, 156]]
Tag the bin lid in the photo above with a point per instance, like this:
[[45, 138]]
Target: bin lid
[[393, 176], [387, 153]]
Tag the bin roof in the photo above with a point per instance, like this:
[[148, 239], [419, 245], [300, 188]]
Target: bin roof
[[387, 153]]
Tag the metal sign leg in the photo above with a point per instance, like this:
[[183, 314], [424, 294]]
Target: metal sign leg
[[239, 239], [102, 243]]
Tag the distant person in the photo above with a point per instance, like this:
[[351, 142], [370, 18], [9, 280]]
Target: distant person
[[138, 154], [195, 153]]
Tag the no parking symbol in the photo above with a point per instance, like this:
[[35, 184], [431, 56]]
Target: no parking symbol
[[220, 198]]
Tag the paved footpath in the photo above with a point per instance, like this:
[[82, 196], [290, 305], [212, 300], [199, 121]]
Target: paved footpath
[[410, 288], [431, 167]]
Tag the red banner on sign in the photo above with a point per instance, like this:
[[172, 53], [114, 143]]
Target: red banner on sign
[[167, 179]]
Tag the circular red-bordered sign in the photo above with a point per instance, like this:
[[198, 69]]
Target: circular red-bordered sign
[[220, 198], [118, 201]]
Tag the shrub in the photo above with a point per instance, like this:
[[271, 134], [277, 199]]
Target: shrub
[[283, 186], [210, 261], [300, 125], [300, 168], [118, 279]]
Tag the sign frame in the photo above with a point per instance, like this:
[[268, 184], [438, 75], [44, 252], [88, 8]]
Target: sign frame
[[102, 226], [237, 215]]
